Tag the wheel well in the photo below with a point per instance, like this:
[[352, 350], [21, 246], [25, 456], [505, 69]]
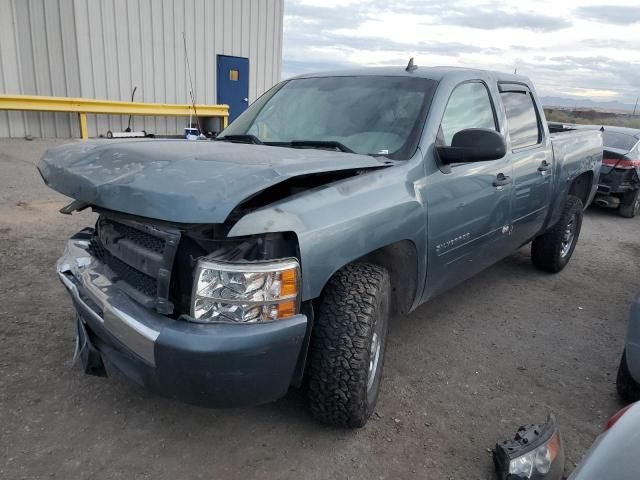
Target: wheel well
[[400, 259], [581, 186]]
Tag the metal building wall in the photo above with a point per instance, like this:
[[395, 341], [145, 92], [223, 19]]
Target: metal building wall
[[103, 48]]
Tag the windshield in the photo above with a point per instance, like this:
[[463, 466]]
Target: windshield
[[372, 115], [620, 141]]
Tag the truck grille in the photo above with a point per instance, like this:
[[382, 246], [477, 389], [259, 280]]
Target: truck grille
[[140, 257], [139, 237]]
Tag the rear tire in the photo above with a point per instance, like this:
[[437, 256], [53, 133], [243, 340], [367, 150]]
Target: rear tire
[[348, 345], [628, 388], [552, 250], [631, 205]]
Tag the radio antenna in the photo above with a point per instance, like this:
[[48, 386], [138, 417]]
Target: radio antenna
[[193, 101]]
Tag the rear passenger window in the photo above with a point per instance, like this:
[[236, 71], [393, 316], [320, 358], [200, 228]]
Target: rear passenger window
[[524, 129], [469, 106]]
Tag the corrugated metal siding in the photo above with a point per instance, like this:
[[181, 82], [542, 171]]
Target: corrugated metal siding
[[103, 48]]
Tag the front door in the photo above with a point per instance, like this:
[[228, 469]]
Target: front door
[[233, 84], [532, 162], [469, 205]]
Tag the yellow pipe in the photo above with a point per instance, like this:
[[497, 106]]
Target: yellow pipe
[[82, 106]]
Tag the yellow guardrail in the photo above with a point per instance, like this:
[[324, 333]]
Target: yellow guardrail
[[82, 106]]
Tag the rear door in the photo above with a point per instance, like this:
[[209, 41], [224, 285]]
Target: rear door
[[233, 84], [468, 203], [532, 160]]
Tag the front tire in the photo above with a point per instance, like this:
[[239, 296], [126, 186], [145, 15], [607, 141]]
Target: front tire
[[628, 388], [552, 250], [631, 206], [348, 345]]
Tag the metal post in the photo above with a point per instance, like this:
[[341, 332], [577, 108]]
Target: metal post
[[82, 120]]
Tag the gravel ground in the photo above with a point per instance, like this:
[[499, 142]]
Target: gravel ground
[[462, 371]]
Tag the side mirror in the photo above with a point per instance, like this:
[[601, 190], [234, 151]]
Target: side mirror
[[473, 145]]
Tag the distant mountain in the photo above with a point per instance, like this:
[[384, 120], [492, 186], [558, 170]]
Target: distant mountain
[[586, 103]]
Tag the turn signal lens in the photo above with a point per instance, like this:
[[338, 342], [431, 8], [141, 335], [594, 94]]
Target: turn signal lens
[[287, 309], [288, 283]]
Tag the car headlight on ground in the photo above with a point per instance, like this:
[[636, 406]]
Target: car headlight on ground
[[245, 292], [535, 453]]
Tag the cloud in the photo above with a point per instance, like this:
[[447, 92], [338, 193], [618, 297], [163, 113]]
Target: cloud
[[559, 53], [291, 67], [303, 36], [583, 74], [610, 43], [613, 14], [486, 19], [323, 38]]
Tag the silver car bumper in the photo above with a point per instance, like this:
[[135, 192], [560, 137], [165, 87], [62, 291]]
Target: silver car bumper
[[96, 296]]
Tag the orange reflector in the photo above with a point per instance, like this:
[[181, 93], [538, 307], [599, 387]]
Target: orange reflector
[[554, 446], [286, 309], [288, 283]]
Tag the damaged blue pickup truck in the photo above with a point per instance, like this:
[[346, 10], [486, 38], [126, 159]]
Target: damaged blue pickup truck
[[223, 272]]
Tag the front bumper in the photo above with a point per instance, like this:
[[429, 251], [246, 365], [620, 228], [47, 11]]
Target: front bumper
[[214, 365]]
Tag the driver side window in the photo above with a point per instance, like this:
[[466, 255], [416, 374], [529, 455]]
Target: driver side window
[[469, 106]]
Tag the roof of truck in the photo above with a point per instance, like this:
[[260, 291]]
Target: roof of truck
[[433, 73]]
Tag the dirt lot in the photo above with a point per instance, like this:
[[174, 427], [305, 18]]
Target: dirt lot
[[462, 371]]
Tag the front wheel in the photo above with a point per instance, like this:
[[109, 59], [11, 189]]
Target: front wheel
[[348, 345], [552, 250], [631, 205]]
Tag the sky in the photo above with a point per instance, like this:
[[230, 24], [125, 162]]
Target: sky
[[587, 49]]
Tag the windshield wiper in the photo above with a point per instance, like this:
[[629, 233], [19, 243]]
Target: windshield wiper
[[240, 139], [313, 144]]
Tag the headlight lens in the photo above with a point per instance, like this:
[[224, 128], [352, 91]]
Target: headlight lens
[[535, 453], [537, 463], [245, 292]]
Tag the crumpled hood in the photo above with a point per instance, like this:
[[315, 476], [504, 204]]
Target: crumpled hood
[[178, 180]]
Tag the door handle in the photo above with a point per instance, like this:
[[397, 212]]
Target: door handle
[[544, 166], [245, 100], [501, 180]]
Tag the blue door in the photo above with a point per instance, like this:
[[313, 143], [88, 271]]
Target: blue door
[[233, 84]]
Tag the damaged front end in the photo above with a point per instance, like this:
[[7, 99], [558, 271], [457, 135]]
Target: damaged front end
[[155, 263], [166, 292], [140, 311]]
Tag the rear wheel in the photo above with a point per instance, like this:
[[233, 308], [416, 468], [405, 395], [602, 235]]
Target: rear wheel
[[630, 207], [348, 345], [628, 388], [552, 250]]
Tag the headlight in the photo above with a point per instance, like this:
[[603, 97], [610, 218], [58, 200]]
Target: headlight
[[245, 292], [535, 453]]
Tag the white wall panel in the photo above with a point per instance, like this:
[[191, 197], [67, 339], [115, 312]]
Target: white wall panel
[[12, 124], [103, 48]]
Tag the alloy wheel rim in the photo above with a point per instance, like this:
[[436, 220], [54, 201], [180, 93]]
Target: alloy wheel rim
[[568, 237], [374, 357]]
